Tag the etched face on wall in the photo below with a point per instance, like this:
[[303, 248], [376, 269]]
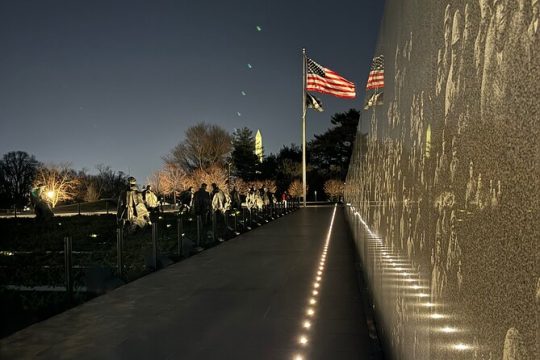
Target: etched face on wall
[[484, 8], [447, 24], [467, 24], [456, 36], [501, 23], [535, 9]]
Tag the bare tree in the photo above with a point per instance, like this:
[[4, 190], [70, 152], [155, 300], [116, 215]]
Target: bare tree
[[17, 172], [109, 183], [334, 188], [59, 182], [204, 145], [91, 193], [156, 181]]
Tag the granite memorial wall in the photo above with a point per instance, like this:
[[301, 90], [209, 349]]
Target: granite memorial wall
[[444, 195]]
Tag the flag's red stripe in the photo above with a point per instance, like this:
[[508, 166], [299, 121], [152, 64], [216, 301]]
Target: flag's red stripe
[[327, 90], [338, 89], [337, 81], [381, 81], [332, 82], [331, 86], [337, 94], [376, 77]]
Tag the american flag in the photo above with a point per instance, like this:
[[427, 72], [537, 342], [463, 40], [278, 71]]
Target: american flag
[[376, 75], [327, 81]]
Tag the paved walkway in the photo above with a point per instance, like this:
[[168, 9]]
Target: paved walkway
[[244, 299]]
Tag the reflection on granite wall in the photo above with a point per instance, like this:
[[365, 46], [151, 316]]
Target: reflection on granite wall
[[444, 199]]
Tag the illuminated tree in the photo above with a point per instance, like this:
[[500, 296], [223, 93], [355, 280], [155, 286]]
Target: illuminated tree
[[156, 180], [171, 180], [59, 182], [213, 174], [334, 189], [241, 186], [295, 189], [260, 184]]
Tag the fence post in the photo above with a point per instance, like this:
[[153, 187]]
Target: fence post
[[180, 235], [15, 211], [107, 207], [79, 208], [154, 244], [119, 249], [199, 231], [68, 262], [214, 226]]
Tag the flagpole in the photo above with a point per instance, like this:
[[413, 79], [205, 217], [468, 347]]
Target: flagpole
[[304, 125]]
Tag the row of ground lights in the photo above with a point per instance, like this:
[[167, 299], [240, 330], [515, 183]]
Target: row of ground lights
[[307, 322], [405, 272]]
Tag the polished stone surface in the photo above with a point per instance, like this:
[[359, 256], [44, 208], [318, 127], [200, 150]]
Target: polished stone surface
[[445, 194], [244, 299]]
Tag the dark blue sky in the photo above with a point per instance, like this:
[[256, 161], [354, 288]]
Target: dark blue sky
[[118, 82]]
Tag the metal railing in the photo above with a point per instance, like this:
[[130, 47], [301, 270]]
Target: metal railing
[[84, 256]]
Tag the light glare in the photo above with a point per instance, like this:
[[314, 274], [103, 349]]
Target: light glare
[[462, 347], [448, 329]]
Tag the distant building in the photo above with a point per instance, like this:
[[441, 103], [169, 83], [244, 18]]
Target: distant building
[[259, 146]]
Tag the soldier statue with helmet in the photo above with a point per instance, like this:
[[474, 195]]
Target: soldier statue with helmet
[[132, 210]]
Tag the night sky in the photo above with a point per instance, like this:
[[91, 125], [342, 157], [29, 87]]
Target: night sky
[[118, 82]]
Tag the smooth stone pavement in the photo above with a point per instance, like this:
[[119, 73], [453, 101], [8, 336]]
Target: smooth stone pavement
[[244, 299]]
